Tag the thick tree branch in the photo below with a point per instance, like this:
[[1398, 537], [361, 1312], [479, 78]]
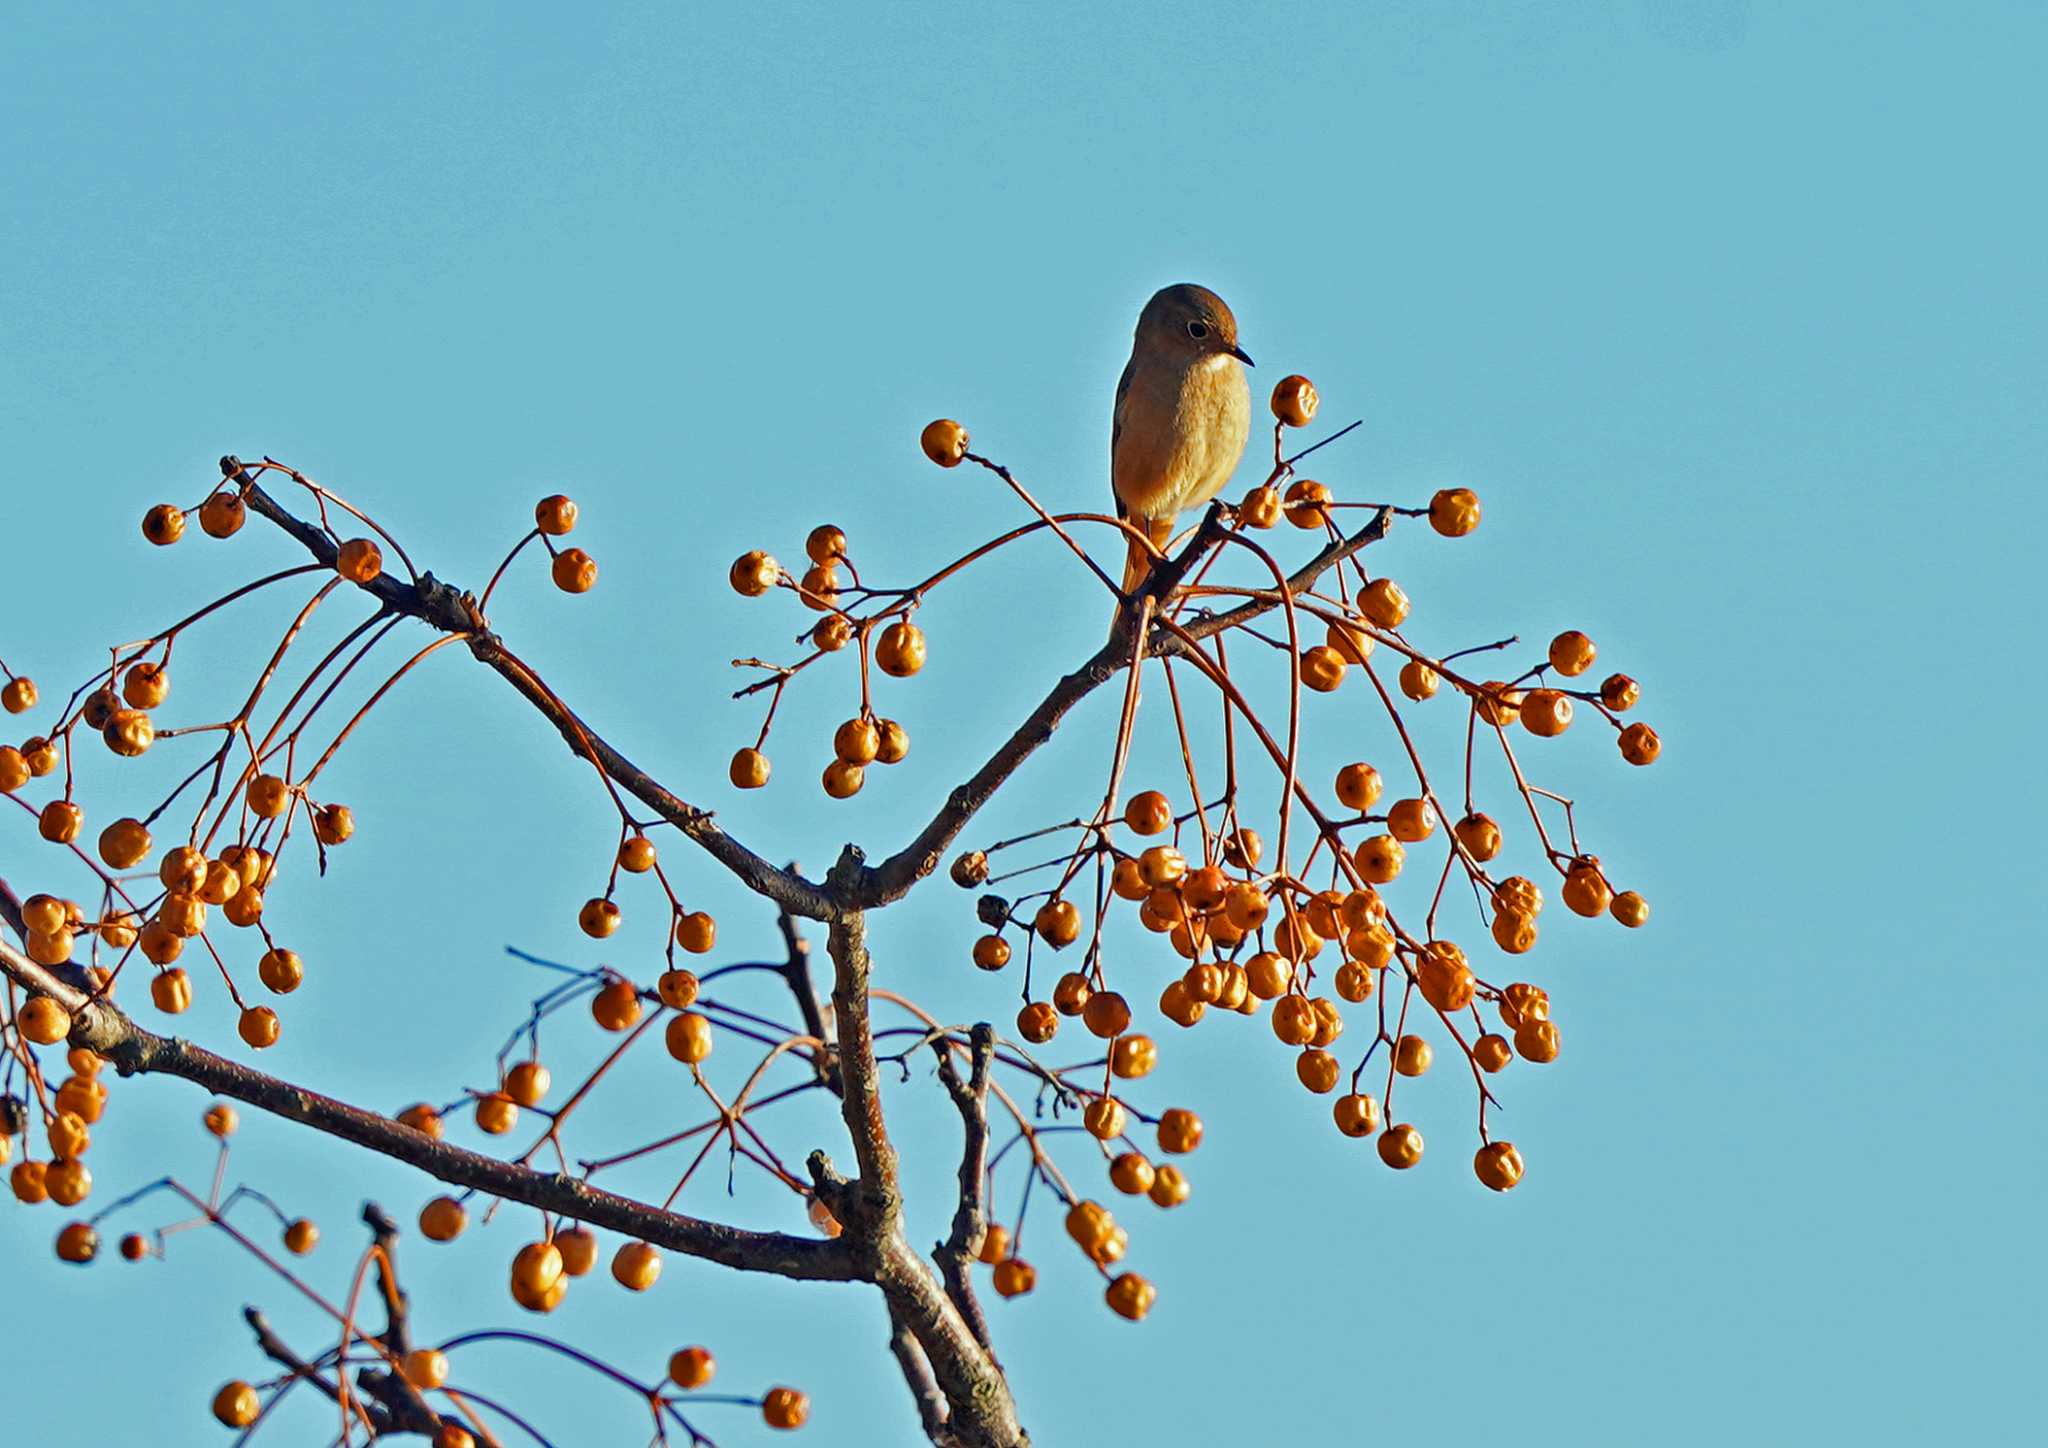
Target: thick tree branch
[[970, 1217], [893, 878], [917, 1373], [108, 1031], [450, 610]]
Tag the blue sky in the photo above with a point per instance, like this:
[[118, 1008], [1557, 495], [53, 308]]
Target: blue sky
[[1733, 316]]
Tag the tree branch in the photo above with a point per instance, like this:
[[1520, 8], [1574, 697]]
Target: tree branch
[[443, 607], [970, 1218], [107, 1030], [917, 1372], [279, 1351]]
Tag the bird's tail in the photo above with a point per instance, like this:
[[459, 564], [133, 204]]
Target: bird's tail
[[1138, 562]]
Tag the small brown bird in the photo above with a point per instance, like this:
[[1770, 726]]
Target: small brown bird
[[1183, 412]]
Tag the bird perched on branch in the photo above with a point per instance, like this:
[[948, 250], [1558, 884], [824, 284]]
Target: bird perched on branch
[[1183, 412]]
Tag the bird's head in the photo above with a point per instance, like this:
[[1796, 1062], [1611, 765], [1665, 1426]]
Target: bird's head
[[1191, 322]]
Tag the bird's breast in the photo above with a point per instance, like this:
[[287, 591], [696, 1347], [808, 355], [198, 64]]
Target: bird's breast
[[1181, 433]]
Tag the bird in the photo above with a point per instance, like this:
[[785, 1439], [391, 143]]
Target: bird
[[1183, 412]]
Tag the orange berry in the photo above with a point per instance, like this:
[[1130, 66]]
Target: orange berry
[[1349, 639], [333, 824], [1317, 1070], [1260, 508], [1454, 512], [443, 1219], [1180, 1131], [574, 571], [832, 633], [30, 1182], [223, 514], [496, 1115], [19, 696], [527, 1083], [1104, 1117], [1498, 1165], [1307, 504], [1106, 1014], [1294, 1020], [944, 442], [1037, 1022], [171, 990], [1162, 865], [146, 685], [1359, 786], [843, 780], [14, 769], [1169, 1186], [1412, 1055], [749, 769], [689, 1038], [753, 574], [1572, 653], [1379, 858], [1418, 680], [1491, 1052], [637, 855], [578, 1246], [1586, 890], [359, 561], [1479, 835], [677, 989], [1514, 932], [1496, 703], [995, 1245], [1131, 1174], [1400, 1147], [1058, 923], [1295, 400], [900, 651], [819, 588], [1620, 693], [991, 952], [60, 821], [554, 515], [691, 1367], [281, 971], [236, 1404], [857, 741], [1148, 813], [1070, 993], [598, 918], [301, 1237], [1537, 1041], [636, 1266], [1547, 713], [43, 1021], [1640, 745], [221, 1119], [259, 1027], [267, 796], [1130, 1296], [785, 1407], [1014, 1277], [895, 745], [1383, 602], [616, 1007], [163, 525], [1411, 820], [426, 1367], [1356, 1115], [1630, 909], [696, 932], [1322, 668]]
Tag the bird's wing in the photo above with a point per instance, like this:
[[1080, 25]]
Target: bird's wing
[[1116, 432]]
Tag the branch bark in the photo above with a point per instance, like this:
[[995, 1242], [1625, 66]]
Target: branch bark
[[104, 1028]]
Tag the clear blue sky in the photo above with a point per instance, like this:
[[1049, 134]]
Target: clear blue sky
[[1733, 315]]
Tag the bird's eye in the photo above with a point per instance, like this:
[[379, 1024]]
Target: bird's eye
[[1198, 330]]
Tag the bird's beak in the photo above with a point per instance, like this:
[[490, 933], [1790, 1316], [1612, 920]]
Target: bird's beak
[[1238, 353]]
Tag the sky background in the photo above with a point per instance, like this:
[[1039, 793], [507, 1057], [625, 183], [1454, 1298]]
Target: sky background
[[1732, 314]]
